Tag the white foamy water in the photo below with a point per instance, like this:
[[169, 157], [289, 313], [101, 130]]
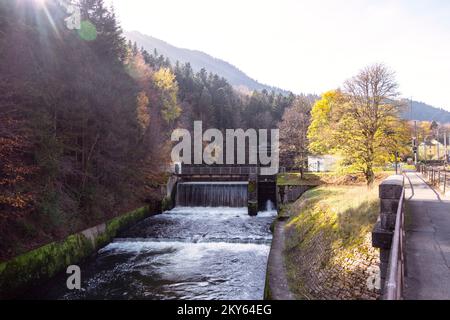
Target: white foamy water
[[186, 253]]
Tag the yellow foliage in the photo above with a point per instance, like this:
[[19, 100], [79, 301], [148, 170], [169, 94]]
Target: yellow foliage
[[319, 131], [164, 80], [364, 142], [143, 114]]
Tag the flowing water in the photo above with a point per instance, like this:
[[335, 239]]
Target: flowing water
[[186, 253], [212, 194]]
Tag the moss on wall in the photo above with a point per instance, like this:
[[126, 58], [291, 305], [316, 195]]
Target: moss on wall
[[117, 224], [267, 290], [37, 266], [252, 186], [253, 208], [167, 204]]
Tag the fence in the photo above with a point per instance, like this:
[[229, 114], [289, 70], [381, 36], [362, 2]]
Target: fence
[[213, 170], [389, 236], [396, 270], [436, 176]]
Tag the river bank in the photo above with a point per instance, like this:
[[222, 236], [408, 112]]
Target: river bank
[[277, 286], [38, 266], [328, 253], [321, 245]]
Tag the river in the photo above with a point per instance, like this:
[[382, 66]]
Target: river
[[186, 253]]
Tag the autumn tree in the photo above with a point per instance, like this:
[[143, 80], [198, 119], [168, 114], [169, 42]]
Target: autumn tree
[[165, 81], [361, 123], [293, 132]]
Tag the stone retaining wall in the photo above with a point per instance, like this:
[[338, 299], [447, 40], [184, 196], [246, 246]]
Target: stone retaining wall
[[343, 276], [390, 194]]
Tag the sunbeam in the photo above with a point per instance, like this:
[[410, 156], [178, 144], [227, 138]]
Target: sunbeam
[[43, 3]]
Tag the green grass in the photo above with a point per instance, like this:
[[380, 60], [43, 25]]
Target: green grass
[[391, 169], [350, 210], [294, 179], [323, 178]]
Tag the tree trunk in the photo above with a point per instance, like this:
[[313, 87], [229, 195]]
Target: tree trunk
[[370, 176]]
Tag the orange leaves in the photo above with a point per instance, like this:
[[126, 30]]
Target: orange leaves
[[143, 114], [17, 201], [16, 168]]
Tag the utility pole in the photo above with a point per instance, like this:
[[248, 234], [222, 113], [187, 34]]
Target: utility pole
[[415, 138], [438, 145], [424, 145], [416, 142], [445, 148], [396, 162]]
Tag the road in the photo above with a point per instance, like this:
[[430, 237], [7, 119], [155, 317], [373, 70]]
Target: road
[[427, 241]]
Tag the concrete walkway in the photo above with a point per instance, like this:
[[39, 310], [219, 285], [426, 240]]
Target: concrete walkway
[[278, 287], [427, 241]]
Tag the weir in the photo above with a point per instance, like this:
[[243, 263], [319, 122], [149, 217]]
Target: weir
[[212, 194], [227, 186], [196, 250]]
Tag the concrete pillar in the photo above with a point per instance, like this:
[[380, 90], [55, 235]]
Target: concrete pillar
[[252, 195], [169, 200], [281, 195], [390, 192]]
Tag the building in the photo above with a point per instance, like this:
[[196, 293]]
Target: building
[[324, 163], [432, 150]]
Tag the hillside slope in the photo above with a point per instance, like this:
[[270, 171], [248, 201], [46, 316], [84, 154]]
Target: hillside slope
[[198, 60], [424, 112]]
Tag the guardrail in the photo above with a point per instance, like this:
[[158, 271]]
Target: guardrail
[[437, 176], [219, 171], [388, 235], [396, 270]]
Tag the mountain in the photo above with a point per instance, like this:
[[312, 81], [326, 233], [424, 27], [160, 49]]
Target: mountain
[[199, 60], [424, 112]]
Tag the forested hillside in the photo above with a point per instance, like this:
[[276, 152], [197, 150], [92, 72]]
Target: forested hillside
[[86, 118], [424, 112], [200, 60], [73, 142]]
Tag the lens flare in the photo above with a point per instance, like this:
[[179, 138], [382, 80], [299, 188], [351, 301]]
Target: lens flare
[[41, 2], [88, 31]]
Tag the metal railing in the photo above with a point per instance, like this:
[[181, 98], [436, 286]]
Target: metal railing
[[219, 171], [396, 270], [436, 176]]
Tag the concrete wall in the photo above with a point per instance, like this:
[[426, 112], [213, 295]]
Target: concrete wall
[[390, 195], [290, 194], [252, 195]]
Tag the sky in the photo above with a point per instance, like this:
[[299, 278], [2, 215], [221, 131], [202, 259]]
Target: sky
[[309, 46]]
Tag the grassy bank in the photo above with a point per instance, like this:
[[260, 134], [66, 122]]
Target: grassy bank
[[328, 245], [326, 178]]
